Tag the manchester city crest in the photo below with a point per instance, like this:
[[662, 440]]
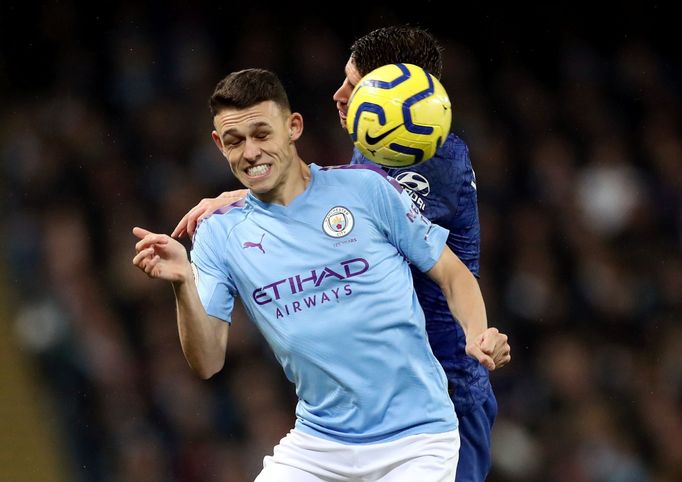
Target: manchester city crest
[[338, 222]]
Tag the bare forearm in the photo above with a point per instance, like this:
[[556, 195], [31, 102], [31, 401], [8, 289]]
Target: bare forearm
[[462, 293], [202, 337], [466, 303], [487, 345]]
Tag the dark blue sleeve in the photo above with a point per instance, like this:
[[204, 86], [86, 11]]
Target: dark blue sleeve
[[444, 189]]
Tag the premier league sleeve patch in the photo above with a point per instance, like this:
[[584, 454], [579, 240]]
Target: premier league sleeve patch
[[338, 222]]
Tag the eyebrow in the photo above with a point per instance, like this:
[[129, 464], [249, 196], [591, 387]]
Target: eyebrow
[[234, 131], [360, 76]]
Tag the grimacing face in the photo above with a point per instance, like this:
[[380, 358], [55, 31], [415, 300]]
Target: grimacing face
[[258, 143], [342, 94]]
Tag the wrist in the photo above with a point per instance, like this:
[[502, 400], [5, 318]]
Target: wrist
[[184, 276], [473, 334]]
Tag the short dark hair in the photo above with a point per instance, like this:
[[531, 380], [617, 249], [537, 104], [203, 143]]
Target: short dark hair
[[246, 88], [398, 44]]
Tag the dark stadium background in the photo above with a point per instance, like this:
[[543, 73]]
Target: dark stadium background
[[572, 115]]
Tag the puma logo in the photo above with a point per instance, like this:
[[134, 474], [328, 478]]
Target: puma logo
[[374, 140], [251, 244]]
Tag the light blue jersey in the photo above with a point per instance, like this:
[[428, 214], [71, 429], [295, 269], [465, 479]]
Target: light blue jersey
[[327, 283]]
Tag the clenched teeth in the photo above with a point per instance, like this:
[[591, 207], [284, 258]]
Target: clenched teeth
[[258, 170]]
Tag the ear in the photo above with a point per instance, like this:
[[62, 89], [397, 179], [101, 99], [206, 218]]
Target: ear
[[295, 126], [218, 142]]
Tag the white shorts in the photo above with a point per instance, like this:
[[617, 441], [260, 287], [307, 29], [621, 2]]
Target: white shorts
[[300, 457]]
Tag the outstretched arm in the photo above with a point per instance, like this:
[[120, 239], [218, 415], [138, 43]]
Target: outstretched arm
[[203, 338], [461, 290], [206, 206]]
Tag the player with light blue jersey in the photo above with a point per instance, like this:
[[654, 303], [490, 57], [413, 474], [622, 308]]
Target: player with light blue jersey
[[324, 279], [321, 260]]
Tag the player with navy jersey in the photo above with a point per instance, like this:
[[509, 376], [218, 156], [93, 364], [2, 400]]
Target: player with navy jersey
[[319, 258], [444, 188], [445, 192]]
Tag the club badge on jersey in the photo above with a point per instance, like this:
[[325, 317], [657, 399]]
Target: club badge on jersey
[[338, 222]]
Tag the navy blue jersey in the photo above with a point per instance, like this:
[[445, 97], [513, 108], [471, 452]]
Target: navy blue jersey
[[444, 188]]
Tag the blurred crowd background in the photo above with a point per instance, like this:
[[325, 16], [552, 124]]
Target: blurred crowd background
[[574, 125]]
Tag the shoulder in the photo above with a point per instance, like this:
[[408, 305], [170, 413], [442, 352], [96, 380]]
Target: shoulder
[[357, 174], [222, 221], [450, 163], [446, 168], [453, 148]]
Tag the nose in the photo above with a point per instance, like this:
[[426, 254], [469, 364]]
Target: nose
[[341, 95], [337, 95], [251, 149]]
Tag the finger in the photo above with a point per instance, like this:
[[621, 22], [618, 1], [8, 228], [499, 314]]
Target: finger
[[488, 339], [503, 361], [145, 253], [500, 347], [151, 264], [140, 232], [180, 229], [194, 218], [198, 221], [191, 225], [493, 341], [477, 353], [503, 349], [188, 221], [151, 239], [191, 217], [502, 354], [234, 195], [137, 260]]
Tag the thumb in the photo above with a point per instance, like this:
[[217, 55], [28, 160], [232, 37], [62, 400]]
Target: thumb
[[179, 230], [476, 352]]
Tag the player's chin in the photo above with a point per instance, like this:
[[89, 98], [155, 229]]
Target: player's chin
[[258, 184]]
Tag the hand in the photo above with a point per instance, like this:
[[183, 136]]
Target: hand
[[160, 256], [491, 348], [189, 221]]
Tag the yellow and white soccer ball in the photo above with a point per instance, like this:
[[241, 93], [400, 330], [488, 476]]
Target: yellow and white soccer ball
[[399, 115]]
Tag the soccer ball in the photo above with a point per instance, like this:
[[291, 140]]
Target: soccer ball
[[398, 115]]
